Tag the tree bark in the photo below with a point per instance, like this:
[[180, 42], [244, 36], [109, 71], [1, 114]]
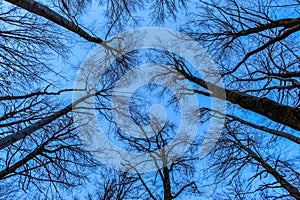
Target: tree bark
[[12, 138], [167, 184], [286, 23], [293, 191], [277, 112], [286, 135], [44, 11], [20, 163]]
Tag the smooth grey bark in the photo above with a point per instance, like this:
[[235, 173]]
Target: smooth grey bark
[[167, 184], [26, 159], [44, 11], [12, 138], [277, 112]]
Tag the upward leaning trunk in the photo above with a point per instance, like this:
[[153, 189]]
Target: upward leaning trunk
[[167, 184], [277, 112], [44, 11]]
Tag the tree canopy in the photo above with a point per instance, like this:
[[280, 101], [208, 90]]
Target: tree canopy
[[138, 87]]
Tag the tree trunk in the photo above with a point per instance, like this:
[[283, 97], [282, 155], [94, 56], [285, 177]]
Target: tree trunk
[[12, 138], [44, 11], [277, 112], [167, 184], [293, 191]]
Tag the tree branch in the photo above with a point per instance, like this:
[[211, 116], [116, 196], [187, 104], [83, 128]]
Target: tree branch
[[44, 11], [275, 111]]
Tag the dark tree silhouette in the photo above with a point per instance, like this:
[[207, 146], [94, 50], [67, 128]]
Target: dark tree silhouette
[[255, 46]]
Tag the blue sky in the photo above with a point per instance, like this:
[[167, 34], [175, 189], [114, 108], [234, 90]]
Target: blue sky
[[80, 49]]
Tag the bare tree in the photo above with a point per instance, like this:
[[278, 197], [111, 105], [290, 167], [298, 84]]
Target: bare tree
[[263, 70], [255, 46]]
